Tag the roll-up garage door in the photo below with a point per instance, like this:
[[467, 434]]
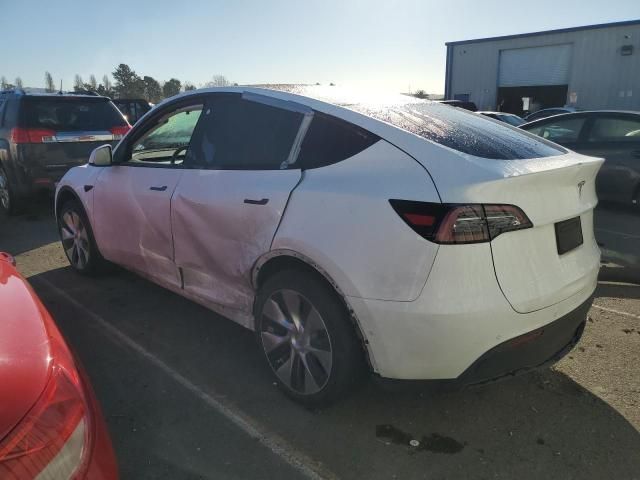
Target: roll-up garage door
[[535, 66]]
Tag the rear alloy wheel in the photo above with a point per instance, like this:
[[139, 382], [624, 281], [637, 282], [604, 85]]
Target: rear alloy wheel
[[77, 238], [296, 342], [307, 338]]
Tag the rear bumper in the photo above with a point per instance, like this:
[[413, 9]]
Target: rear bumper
[[539, 348], [33, 168], [28, 181]]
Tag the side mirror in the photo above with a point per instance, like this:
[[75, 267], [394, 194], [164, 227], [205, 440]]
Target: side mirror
[[101, 156]]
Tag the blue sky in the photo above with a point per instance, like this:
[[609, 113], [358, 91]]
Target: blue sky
[[394, 44]]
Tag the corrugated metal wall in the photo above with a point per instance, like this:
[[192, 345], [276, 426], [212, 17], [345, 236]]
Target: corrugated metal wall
[[549, 65], [599, 76]]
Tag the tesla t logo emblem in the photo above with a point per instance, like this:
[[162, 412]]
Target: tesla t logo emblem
[[580, 185]]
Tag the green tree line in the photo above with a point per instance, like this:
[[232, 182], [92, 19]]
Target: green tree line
[[127, 84]]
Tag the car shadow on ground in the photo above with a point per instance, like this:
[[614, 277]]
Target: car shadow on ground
[[542, 425], [31, 229]]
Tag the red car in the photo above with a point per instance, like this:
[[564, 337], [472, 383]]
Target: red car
[[50, 422]]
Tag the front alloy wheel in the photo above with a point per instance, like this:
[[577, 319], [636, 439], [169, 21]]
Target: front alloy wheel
[[75, 239]]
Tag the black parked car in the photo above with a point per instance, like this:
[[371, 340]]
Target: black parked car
[[548, 112], [510, 118], [133, 108], [44, 135], [460, 104], [612, 135]]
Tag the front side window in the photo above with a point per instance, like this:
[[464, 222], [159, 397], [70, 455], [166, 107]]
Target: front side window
[[167, 141], [615, 130], [240, 134], [559, 131]]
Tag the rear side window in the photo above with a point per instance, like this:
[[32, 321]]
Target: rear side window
[[615, 130], [561, 130], [330, 140], [71, 114], [461, 130], [239, 134]]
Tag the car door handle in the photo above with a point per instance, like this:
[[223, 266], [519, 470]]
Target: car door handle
[[158, 189], [264, 201]]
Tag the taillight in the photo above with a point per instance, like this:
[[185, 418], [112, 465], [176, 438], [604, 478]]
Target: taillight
[[459, 224], [32, 135], [53, 439], [119, 132]]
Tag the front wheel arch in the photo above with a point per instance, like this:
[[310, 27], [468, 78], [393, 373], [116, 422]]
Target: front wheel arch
[[67, 194], [98, 263]]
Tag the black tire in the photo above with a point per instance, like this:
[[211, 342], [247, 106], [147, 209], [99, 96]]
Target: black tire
[[72, 216], [9, 203], [347, 365]]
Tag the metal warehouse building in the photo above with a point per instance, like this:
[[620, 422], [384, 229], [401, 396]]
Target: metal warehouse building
[[591, 67]]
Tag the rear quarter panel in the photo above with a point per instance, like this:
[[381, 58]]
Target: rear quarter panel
[[340, 217]]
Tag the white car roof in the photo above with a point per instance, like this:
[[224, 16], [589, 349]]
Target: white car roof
[[409, 123], [438, 136]]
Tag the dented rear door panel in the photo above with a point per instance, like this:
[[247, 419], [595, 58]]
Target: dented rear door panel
[[223, 221]]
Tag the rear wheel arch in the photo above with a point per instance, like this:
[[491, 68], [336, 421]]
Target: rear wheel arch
[[278, 261]]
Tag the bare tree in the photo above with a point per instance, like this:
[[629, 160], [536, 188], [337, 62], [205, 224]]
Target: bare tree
[[48, 82], [18, 82], [218, 81], [93, 83], [107, 83], [78, 84], [3, 82]]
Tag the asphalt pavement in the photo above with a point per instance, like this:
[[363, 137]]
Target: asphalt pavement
[[186, 394]]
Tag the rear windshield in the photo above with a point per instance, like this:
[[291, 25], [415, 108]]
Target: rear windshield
[[463, 131], [72, 114]]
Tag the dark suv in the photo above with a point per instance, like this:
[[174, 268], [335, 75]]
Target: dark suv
[[132, 108], [44, 135]]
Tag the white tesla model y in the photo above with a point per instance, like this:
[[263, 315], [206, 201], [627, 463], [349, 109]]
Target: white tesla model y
[[410, 238]]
